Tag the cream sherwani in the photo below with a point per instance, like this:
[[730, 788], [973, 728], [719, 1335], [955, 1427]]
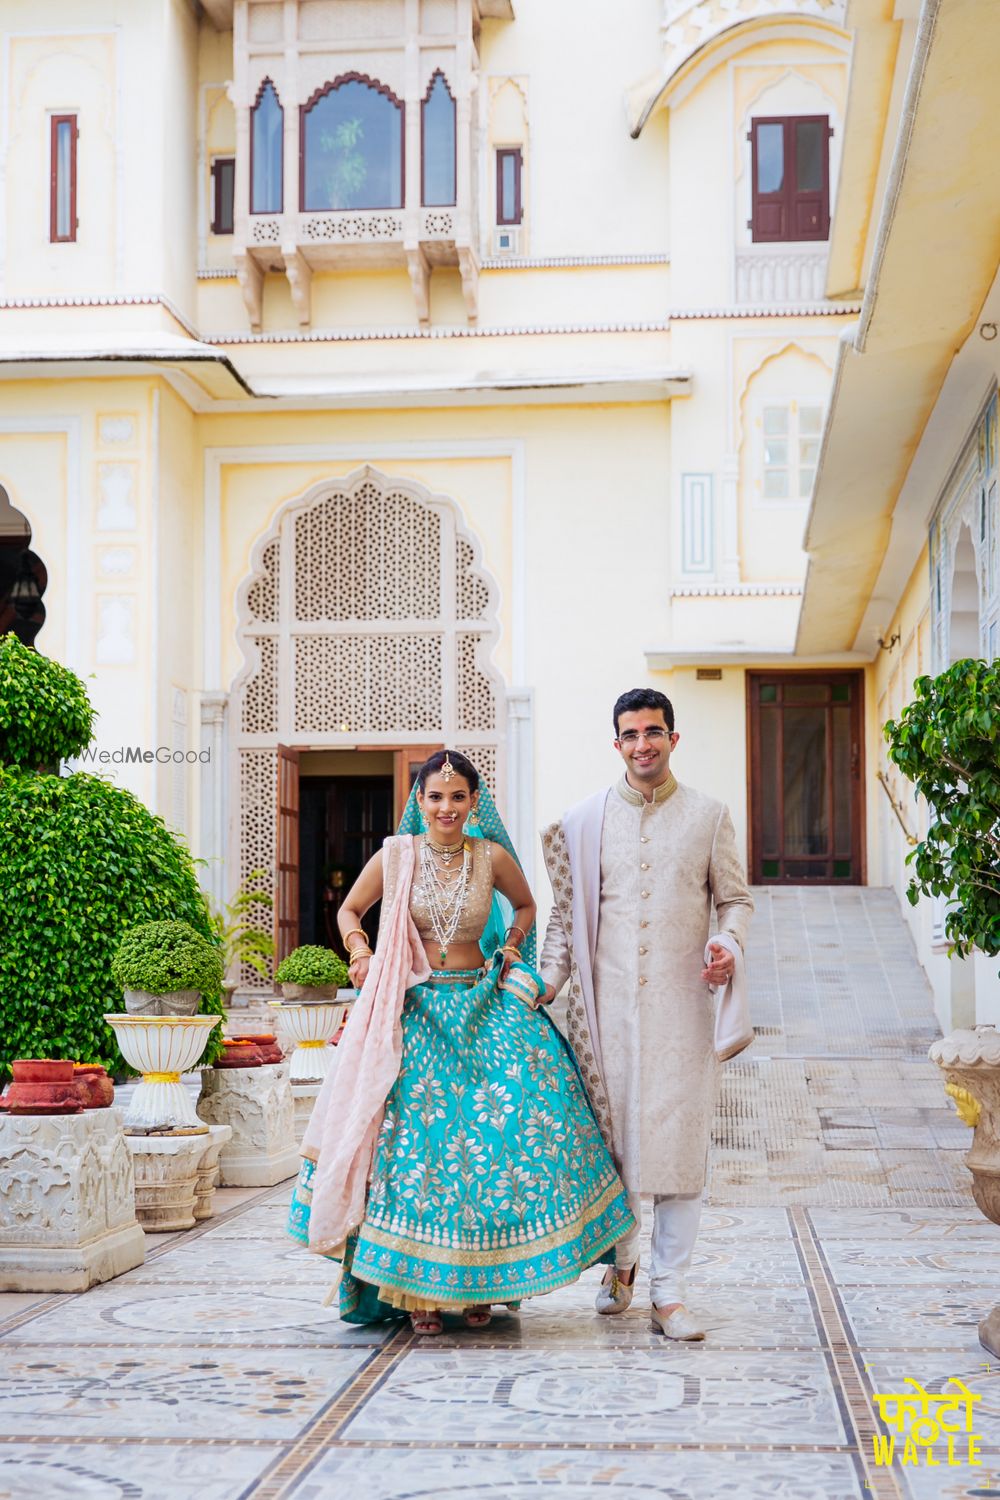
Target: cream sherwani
[[634, 884]]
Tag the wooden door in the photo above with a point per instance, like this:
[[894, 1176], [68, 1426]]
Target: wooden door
[[407, 763], [286, 892], [806, 784]]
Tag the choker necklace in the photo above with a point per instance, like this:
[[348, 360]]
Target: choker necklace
[[446, 851]]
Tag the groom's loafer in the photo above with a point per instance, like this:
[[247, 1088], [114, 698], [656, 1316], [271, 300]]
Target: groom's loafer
[[614, 1296], [680, 1324]]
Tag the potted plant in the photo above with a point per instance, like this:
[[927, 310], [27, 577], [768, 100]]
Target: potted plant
[[242, 940], [312, 973], [165, 968], [311, 1013]]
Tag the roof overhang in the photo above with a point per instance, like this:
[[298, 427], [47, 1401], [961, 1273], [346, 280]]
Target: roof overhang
[[209, 381], [671, 658], [935, 260], [877, 33], [202, 375]]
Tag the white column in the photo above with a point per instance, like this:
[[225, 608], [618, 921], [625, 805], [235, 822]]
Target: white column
[[213, 795]]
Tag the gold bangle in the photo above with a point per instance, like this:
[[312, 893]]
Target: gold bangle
[[351, 934], [357, 953], [509, 948], [515, 928]]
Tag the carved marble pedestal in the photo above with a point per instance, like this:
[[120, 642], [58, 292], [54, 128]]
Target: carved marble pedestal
[[67, 1202], [303, 1097], [208, 1170], [257, 1103], [970, 1061], [166, 1179]]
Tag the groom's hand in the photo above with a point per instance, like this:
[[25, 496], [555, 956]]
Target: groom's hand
[[550, 994], [721, 966]]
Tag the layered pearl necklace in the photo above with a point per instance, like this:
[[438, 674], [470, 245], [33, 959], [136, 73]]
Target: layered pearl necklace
[[445, 897]]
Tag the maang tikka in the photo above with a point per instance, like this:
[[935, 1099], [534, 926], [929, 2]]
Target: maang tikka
[[447, 770]]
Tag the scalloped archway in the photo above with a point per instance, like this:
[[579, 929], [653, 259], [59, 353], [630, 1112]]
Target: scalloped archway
[[367, 618]]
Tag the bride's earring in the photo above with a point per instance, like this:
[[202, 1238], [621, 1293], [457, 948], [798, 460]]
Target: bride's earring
[[474, 816]]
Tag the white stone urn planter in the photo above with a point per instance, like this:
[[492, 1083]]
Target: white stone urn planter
[[177, 1003], [970, 1061], [305, 1029], [161, 1048]]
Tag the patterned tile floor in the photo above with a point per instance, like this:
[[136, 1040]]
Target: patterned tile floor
[[841, 1253]]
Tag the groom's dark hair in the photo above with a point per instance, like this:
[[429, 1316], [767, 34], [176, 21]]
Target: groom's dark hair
[[636, 698]]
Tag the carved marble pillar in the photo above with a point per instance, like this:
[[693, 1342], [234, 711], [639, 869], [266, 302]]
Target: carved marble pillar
[[67, 1202], [208, 1170], [257, 1103], [166, 1179], [970, 1061]]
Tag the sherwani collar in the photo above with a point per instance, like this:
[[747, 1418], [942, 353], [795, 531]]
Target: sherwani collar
[[628, 793]]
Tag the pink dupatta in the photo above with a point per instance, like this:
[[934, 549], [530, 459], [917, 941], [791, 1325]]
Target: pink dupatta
[[347, 1115]]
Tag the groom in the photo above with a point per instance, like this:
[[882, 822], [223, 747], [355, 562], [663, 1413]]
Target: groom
[[635, 871]]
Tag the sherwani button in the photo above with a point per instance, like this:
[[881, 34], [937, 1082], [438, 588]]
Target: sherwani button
[[643, 951], [644, 923], [643, 838], [644, 894], [643, 867], [642, 979]]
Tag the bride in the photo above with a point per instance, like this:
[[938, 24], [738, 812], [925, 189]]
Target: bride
[[452, 1159]]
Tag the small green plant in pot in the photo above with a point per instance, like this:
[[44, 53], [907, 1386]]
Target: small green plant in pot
[[312, 973], [165, 968]]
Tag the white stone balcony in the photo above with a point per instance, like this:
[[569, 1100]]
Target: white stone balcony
[[351, 239], [781, 275]]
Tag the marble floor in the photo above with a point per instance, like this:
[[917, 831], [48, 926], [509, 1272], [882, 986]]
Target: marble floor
[[841, 1254]]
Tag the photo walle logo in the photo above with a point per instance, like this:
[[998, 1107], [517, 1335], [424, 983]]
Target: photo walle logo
[[928, 1429]]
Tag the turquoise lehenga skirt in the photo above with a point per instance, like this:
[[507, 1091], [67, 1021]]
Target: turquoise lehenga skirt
[[490, 1181]]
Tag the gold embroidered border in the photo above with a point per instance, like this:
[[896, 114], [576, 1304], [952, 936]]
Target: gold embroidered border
[[501, 1255], [459, 1297]]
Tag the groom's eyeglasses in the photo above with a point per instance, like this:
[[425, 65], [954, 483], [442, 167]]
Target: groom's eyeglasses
[[653, 736]]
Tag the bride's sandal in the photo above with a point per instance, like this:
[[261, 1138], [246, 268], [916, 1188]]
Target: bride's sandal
[[427, 1321], [477, 1317]]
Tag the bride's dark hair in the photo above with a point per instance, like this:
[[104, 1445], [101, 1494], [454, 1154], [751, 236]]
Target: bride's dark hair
[[461, 765]]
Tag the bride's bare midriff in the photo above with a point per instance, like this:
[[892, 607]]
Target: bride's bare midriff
[[460, 956]]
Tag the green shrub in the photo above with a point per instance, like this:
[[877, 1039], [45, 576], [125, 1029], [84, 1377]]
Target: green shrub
[[45, 715], [81, 861], [312, 965], [947, 742], [162, 957]]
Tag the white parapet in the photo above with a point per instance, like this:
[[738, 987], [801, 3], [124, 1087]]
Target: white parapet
[[257, 1104], [166, 1179], [67, 1202]]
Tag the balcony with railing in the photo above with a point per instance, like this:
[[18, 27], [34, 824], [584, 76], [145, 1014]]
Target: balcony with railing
[[355, 154]]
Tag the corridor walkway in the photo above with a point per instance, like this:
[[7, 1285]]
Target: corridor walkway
[[841, 1253]]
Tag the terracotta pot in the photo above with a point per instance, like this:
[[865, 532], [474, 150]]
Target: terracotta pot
[[43, 1098], [96, 1089], [239, 1054], [43, 1070], [267, 1043]]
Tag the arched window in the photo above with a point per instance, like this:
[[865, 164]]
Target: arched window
[[352, 147], [439, 162], [267, 120]]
